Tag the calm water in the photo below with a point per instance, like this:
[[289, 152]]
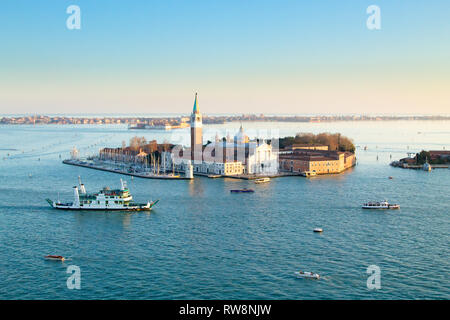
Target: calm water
[[201, 242]]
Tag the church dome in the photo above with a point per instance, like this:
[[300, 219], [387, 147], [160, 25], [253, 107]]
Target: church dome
[[241, 137]]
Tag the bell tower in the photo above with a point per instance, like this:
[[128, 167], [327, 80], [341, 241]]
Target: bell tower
[[196, 133]]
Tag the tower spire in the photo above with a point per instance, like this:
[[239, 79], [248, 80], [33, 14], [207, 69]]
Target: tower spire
[[196, 133], [196, 109]]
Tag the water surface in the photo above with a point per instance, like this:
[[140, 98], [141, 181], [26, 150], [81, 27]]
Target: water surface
[[201, 242]]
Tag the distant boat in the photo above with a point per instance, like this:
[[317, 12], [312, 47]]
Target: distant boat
[[380, 205], [245, 190], [52, 257], [426, 166], [318, 230], [262, 180], [390, 178], [308, 275]]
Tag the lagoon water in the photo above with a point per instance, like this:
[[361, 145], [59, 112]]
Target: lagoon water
[[201, 242]]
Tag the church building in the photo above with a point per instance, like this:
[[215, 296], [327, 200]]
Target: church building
[[228, 157]]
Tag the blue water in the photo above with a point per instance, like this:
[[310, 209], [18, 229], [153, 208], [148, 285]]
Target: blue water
[[201, 242]]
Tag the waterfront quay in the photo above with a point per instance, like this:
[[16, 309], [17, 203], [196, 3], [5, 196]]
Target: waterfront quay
[[129, 170], [250, 176], [148, 173], [418, 166]]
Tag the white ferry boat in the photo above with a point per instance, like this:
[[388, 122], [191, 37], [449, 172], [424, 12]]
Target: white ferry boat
[[106, 199], [380, 205]]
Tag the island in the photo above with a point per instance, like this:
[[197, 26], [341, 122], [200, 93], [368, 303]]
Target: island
[[425, 160]]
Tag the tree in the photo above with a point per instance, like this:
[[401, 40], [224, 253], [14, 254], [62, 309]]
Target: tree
[[137, 142], [335, 142], [422, 157]]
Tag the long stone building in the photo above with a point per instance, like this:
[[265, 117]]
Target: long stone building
[[319, 160]]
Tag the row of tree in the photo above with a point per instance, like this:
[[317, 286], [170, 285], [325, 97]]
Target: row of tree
[[334, 141], [425, 156], [136, 143]]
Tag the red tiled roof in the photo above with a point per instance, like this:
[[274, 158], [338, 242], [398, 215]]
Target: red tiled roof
[[439, 152]]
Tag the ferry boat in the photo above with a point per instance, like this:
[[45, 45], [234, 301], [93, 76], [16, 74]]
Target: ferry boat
[[262, 180], [105, 199], [380, 205]]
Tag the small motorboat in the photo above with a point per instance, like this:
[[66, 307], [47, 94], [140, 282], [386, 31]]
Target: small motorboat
[[318, 230], [242, 190], [52, 257], [262, 180], [308, 275], [308, 174], [380, 205], [390, 177]]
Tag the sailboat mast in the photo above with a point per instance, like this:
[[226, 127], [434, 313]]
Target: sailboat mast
[[158, 166]]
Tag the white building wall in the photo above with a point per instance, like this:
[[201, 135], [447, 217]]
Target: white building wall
[[262, 160]]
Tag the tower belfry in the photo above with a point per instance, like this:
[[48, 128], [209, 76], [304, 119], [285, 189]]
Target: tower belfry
[[196, 133]]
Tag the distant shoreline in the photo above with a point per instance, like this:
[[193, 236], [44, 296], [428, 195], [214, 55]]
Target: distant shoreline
[[156, 122]]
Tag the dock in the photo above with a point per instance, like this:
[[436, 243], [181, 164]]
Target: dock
[[255, 176]]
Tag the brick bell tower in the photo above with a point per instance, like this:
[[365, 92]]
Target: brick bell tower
[[196, 133]]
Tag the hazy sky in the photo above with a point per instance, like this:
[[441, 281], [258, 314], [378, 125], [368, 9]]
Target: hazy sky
[[243, 56]]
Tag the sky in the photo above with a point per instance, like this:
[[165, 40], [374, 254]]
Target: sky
[[241, 56]]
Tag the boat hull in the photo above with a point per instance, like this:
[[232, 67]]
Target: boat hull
[[142, 207], [55, 258], [393, 207], [100, 209]]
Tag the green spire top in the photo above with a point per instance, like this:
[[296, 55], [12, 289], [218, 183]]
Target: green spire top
[[196, 109]]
